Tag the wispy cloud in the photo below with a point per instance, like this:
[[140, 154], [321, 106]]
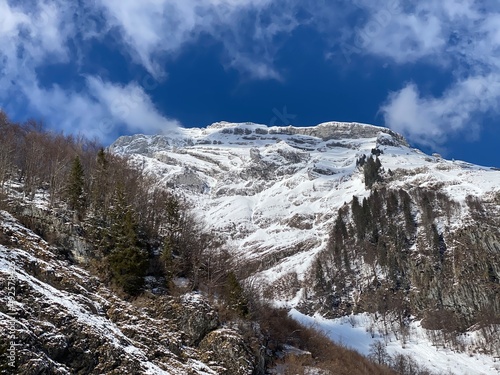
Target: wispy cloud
[[37, 34], [100, 110], [130, 106], [153, 29], [432, 120], [34, 37], [461, 36]]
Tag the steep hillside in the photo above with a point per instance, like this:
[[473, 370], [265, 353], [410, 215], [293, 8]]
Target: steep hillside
[[275, 192], [272, 192], [343, 218], [63, 320], [58, 317], [106, 271]]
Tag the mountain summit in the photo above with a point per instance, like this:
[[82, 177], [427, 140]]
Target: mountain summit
[[274, 192], [251, 134], [220, 239], [341, 218]]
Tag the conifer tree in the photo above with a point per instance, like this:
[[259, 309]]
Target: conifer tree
[[128, 263], [100, 195], [99, 184], [173, 220], [171, 243], [371, 171], [338, 236], [75, 189], [235, 296]]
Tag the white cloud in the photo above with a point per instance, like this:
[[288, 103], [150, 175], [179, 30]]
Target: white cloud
[[430, 120], [131, 106], [101, 110], [153, 29], [461, 36], [72, 112], [35, 34], [32, 37]]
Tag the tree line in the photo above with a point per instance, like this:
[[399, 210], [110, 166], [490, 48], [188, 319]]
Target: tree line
[[134, 226], [409, 266]]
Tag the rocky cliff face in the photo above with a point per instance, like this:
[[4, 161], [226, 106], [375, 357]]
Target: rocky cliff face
[[58, 319], [380, 257], [277, 193], [259, 186], [313, 222], [339, 218]]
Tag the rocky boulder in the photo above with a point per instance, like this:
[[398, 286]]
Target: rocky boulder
[[228, 347]]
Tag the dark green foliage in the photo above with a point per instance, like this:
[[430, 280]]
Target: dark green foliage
[[377, 234], [361, 161], [362, 217], [173, 227], [337, 240], [128, 267], [371, 170], [410, 224], [412, 275], [75, 188], [123, 227], [100, 185], [123, 216], [376, 205], [127, 262], [235, 296], [182, 246], [392, 203]]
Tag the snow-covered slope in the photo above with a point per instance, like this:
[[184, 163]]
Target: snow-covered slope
[[56, 318], [274, 192], [360, 332]]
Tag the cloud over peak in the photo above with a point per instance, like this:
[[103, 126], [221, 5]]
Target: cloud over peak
[[461, 37]]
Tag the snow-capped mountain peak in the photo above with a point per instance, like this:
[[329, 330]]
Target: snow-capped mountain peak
[[251, 134], [273, 192]]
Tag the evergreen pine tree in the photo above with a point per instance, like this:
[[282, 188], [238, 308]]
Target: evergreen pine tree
[[338, 235], [235, 296], [75, 188], [100, 186], [98, 225], [173, 223], [127, 262], [371, 171]]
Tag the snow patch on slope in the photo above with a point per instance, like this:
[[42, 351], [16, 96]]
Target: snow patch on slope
[[354, 332]]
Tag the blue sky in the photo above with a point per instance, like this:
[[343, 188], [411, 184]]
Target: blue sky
[[427, 69]]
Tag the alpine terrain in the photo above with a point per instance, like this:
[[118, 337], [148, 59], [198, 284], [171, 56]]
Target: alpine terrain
[[245, 249], [346, 219]]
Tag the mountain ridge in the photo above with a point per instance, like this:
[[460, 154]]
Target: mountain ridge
[[350, 222], [249, 132], [342, 219], [279, 190]]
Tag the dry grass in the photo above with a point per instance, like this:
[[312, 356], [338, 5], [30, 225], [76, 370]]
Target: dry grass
[[327, 356]]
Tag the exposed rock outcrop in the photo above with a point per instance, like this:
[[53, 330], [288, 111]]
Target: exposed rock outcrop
[[62, 320], [228, 346]]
